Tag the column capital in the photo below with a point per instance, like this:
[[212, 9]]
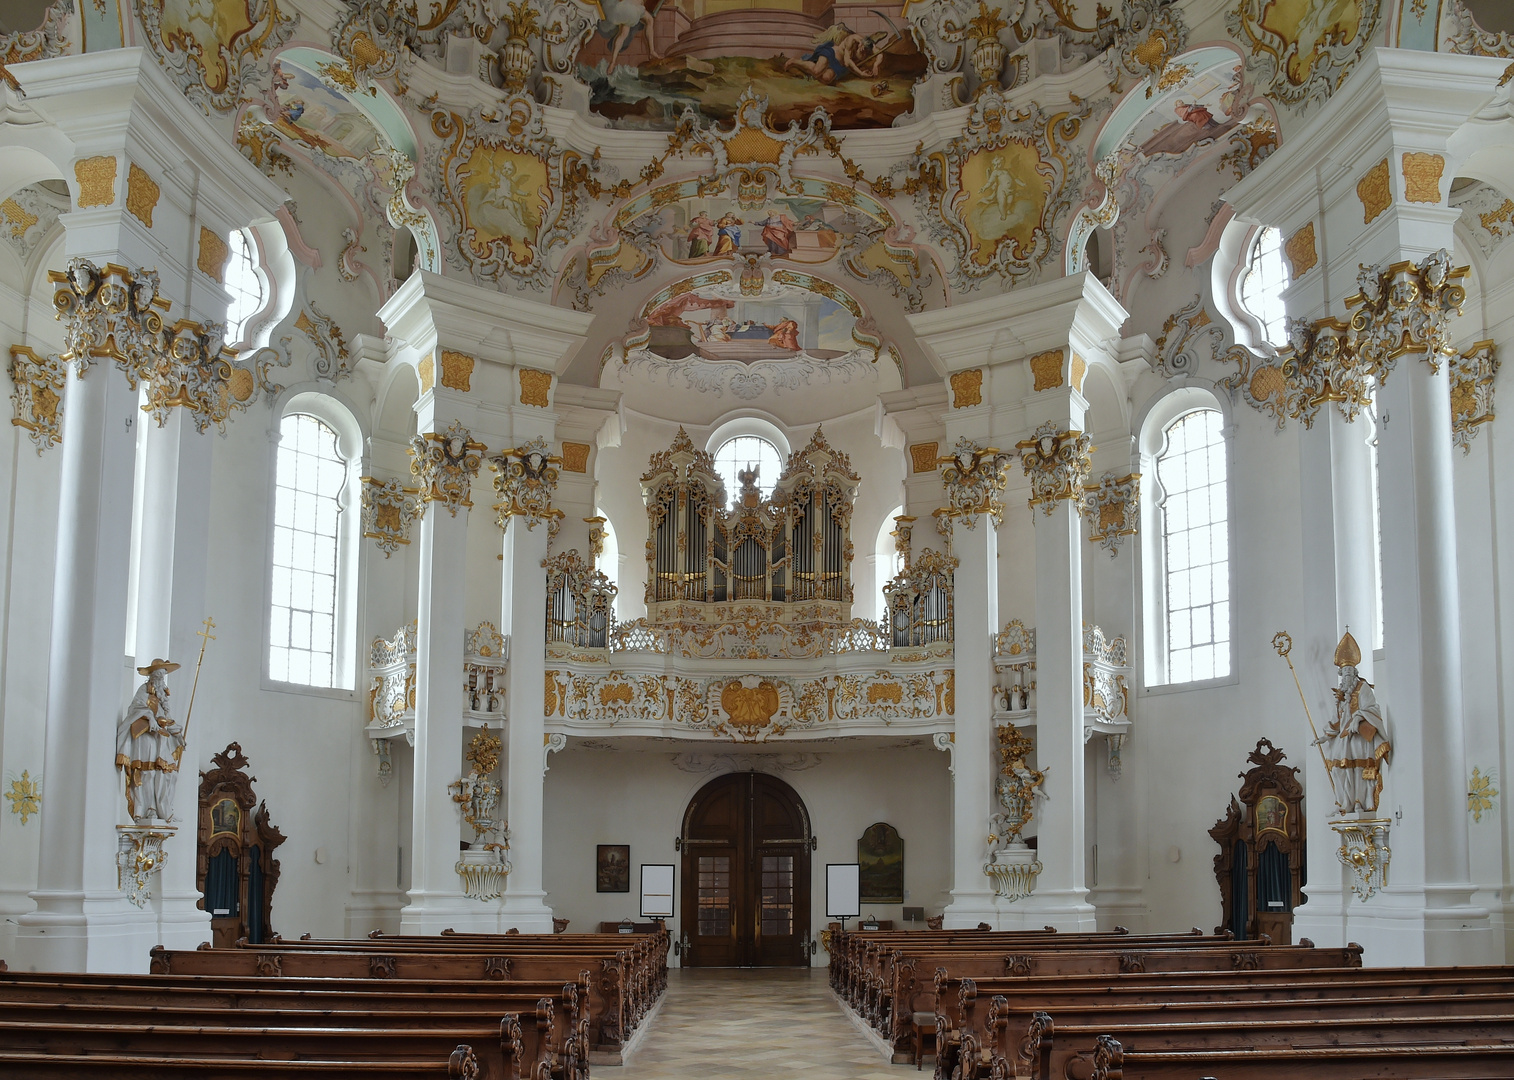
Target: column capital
[[446, 462], [1058, 463], [975, 478], [525, 479]]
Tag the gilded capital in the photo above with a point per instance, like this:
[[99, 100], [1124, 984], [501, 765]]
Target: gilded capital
[[446, 462], [1057, 463], [975, 477], [389, 509], [525, 479], [1113, 509]]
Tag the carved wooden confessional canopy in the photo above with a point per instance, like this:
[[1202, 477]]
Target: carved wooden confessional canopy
[[792, 548]]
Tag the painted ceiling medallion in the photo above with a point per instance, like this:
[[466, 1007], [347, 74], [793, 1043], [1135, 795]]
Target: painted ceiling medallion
[[1304, 51], [214, 49]]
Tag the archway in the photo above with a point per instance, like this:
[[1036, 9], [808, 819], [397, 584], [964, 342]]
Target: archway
[[746, 874]]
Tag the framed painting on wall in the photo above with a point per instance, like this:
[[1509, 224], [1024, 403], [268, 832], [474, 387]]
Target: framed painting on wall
[[880, 854], [612, 868]]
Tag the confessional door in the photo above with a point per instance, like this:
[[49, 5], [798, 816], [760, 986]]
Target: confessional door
[[746, 874]]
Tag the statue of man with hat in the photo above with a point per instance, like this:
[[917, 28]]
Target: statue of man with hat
[[149, 745], [1356, 741]]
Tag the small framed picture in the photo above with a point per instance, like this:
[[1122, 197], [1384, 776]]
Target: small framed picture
[[612, 868]]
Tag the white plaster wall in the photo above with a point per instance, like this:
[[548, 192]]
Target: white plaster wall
[[639, 797]]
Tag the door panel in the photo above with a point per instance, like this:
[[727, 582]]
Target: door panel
[[746, 874]]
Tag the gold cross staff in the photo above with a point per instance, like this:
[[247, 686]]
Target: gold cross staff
[[207, 637]]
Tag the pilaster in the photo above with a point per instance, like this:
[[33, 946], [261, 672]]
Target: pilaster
[[1371, 173]]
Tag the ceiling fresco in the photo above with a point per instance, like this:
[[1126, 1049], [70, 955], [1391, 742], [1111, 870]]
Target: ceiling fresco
[[734, 188]]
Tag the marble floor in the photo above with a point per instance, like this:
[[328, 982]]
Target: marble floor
[[729, 1024]]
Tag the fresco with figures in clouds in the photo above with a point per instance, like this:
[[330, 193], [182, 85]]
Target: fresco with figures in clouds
[[801, 229], [1004, 195], [648, 60], [719, 322], [1200, 111], [312, 113]]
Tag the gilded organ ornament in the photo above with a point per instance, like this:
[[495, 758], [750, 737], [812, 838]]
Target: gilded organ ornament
[[1057, 463], [446, 462], [525, 479]]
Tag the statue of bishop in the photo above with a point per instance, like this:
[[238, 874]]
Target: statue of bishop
[[149, 745], [1356, 740]]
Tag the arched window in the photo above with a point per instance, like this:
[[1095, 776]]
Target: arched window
[[305, 620], [249, 295], [741, 453], [1262, 282], [1187, 541]]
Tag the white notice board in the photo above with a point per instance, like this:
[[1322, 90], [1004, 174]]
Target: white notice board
[[843, 890], [656, 890]]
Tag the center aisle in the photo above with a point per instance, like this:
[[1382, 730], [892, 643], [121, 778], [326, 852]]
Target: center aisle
[[775, 1022]]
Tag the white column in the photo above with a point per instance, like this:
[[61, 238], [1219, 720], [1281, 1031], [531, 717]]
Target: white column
[[82, 921], [975, 604], [436, 896], [523, 619], [171, 580]]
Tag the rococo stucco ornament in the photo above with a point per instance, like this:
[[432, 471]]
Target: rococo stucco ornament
[[1400, 309], [525, 479], [445, 463], [50, 39], [975, 478], [389, 509], [1303, 54], [214, 57], [1057, 463], [1472, 375], [1013, 865], [1113, 509], [37, 384]]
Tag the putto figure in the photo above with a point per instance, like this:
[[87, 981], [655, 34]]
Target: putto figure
[[149, 745], [1356, 741]]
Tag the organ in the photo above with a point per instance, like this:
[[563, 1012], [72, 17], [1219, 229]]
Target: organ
[[792, 548]]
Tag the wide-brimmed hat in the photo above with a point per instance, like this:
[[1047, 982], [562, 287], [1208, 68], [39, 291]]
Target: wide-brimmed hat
[[157, 665]]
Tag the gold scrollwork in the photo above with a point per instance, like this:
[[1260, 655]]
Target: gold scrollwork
[[446, 462], [525, 480], [1057, 463]]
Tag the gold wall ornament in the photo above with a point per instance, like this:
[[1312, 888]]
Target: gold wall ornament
[[25, 796], [924, 456], [967, 388], [1303, 52], [426, 371], [1365, 852], [903, 533], [1400, 309], [446, 462], [512, 192], [37, 384], [141, 193], [596, 526], [457, 370], [1113, 509], [988, 52], [214, 251], [1180, 346], [1046, 369], [1480, 794], [575, 457], [525, 480], [1000, 193], [975, 478], [1422, 175], [483, 752], [214, 58], [96, 179], [1018, 787], [16, 217], [139, 856], [1472, 374], [1077, 370], [535, 386], [389, 509], [1375, 191], [1057, 463], [1300, 252]]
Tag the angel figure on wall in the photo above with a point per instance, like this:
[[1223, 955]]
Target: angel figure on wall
[[1356, 740], [1019, 786], [149, 745]]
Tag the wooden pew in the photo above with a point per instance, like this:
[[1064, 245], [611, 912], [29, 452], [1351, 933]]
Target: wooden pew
[[1414, 1061], [527, 1035]]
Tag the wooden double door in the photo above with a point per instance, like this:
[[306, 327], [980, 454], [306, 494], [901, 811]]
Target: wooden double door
[[746, 874]]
